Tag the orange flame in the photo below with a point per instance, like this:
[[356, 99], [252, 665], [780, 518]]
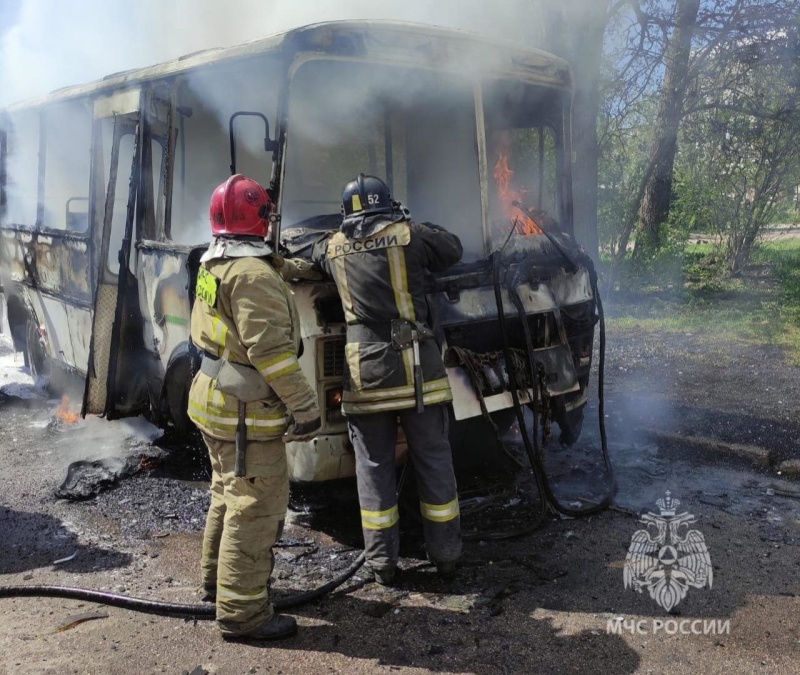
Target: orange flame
[[63, 413], [148, 463], [507, 195]]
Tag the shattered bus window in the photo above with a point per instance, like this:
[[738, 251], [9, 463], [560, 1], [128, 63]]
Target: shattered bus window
[[524, 140], [21, 163], [68, 130], [413, 128]]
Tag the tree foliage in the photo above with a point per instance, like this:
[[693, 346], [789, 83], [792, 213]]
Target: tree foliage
[[699, 123], [744, 149]]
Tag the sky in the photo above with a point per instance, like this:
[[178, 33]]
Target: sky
[[48, 44]]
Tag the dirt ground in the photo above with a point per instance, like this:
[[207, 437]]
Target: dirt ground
[[714, 423]]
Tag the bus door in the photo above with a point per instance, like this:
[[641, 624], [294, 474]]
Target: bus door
[[162, 264], [117, 160]]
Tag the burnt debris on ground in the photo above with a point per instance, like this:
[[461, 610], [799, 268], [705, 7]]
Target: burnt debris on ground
[[154, 488]]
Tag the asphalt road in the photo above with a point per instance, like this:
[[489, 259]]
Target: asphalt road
[[547, 602]]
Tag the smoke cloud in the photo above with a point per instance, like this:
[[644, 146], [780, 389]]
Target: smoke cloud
[[48, 44]]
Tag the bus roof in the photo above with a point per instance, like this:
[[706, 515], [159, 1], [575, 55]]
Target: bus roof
[[410, 42]]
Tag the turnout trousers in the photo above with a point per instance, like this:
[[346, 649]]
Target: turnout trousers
[[244, 522], [374, 437]]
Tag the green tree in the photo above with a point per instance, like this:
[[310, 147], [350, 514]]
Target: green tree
[[688, 57], [742, 150]]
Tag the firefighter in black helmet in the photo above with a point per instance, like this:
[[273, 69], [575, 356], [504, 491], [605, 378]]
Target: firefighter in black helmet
[[378, 259]]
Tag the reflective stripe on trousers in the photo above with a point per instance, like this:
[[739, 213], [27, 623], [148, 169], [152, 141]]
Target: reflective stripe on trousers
[[440, 513], [380, 520]]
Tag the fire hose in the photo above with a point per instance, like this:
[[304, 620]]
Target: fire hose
[[547, 497], [203, 612], [180, 610], [535, 465]]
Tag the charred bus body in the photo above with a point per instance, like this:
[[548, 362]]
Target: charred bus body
[[103, 204]]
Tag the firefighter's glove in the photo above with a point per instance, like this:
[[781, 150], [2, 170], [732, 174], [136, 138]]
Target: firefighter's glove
[[297, 268], [303, 426]]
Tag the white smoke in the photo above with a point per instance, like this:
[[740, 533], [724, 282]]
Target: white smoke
[[48, 44]]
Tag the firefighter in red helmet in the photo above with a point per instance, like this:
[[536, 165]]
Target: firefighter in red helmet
[[394, 370], [248, 398]]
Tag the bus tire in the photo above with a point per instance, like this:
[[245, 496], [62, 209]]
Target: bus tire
[[35, 356], [177, 396], [177, 382]]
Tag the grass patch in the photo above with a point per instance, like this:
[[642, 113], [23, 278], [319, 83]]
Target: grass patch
[[761, 306]]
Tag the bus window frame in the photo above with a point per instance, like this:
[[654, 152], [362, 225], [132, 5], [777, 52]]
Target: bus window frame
[[558, 124], [43, 112], [283, 132], [179, 84], [478, 81]]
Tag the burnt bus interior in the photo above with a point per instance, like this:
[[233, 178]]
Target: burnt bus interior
[[126, 176], [116, 212]]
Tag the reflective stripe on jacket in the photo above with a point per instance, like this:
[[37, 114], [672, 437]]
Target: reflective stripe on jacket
[[380, 278], [245, 312]]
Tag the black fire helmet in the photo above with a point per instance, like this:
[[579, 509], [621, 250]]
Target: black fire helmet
[[366, 196]]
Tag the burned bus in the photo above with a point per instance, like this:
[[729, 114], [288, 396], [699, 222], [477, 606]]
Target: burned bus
[[104, 191]]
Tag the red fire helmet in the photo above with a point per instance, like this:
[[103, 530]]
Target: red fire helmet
[[239, 206]]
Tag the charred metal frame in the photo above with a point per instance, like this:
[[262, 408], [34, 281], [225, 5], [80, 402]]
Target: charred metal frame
[[3, 177], [134, 209]]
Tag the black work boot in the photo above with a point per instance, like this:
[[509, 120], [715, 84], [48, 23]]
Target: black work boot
[[385, 576], [446, 570], [276, 627]]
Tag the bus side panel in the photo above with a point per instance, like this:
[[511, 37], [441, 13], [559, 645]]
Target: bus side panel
[[76, 267], [164, 299], [63, 266], [54, 319], [14, 245], [33, 271], [63, 276], [80, 332], [165, 303]]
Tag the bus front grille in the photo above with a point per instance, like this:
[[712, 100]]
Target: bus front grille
[[333, 358]]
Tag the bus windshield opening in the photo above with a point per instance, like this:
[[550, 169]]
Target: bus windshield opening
[[414, 129]]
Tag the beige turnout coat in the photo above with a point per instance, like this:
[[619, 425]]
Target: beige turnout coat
[[244, 312]]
